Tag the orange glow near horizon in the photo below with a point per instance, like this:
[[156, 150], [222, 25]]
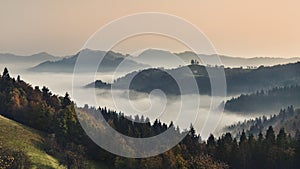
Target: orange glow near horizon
[[238, 28]]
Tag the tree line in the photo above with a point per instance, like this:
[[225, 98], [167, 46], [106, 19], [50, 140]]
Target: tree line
[[265, 100], [256, 151], [56, 116], [286, 118]]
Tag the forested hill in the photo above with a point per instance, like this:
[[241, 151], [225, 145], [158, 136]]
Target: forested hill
[[239, 80], [265, 101], [287, 118], [66, 141]]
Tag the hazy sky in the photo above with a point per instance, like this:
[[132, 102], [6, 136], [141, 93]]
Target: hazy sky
[[235, 27]]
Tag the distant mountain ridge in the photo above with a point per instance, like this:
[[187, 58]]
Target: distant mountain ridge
[[151, 58], [110, 62], [229, 61], [167, 59], [36, 58]]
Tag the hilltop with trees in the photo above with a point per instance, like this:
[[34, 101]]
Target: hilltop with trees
[[238, 80]]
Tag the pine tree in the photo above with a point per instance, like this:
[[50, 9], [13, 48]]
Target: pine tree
[[192, 132], [260, 137], [66, 101], [281, 138], [5, 74], [211, 145], [243, 138], [270, 136]]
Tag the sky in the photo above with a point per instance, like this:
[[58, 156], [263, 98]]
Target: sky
[[256, 28]]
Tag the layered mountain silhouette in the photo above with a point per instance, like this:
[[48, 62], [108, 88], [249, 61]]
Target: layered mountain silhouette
[[111, 61], [166, 59], [36, 58], [153, 58]]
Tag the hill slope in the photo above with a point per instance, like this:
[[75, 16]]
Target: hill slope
[[238, 80], [265, 101], [289, 119], [58, 117], [17, 137]]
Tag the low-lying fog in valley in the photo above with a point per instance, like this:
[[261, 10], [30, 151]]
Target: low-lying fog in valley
[[154, 106]]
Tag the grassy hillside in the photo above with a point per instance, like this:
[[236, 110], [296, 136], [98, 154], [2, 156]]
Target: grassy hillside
[[19, 137]]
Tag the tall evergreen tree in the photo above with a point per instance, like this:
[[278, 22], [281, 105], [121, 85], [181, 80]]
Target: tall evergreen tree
[[270, 136], [66, 101], [282, 138], [5, 74]]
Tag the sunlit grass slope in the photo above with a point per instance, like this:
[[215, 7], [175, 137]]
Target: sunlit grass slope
[[16, 136]]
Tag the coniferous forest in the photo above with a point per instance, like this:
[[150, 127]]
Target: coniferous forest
[[265, 101], [55, 116]]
